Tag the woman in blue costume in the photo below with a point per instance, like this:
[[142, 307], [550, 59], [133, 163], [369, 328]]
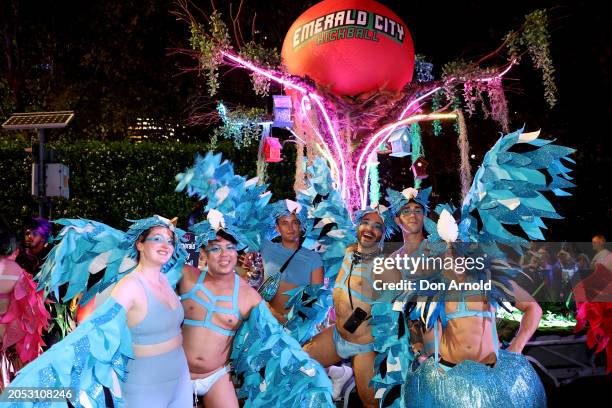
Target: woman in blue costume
[[131, 344]]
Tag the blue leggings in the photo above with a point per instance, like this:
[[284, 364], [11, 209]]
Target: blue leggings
[[160, 381]]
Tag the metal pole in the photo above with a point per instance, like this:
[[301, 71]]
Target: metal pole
[[41, 172]]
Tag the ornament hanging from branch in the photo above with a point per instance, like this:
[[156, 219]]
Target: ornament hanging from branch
[[282, 111], [400, 143], [272, 150]]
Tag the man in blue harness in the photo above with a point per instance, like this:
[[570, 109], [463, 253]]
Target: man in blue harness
[[410, 207], [225, 319], [354, 293], [467, 367], [216, 302]]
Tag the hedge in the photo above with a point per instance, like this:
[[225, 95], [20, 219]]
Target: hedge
[[115, 181]]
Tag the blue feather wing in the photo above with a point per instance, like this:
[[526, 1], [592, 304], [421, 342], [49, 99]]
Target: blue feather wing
[[85, 248]]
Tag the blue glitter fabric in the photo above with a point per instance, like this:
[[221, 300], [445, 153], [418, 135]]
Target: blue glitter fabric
[[507, 189], [308, 307], [85, 359], [334, 230], [512, 383], [394, 356], [273, 368]]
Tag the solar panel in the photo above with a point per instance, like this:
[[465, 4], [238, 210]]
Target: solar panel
[[38, 120]]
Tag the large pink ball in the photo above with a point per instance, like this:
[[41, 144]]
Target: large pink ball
[[352, 46]]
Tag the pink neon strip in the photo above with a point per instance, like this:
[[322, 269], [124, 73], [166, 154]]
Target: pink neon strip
[[412, 103], [332, 131], [371, 142], [263, 72], [323, 142]]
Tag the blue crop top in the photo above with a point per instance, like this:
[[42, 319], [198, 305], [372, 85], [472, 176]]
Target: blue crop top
[[463, 311], [161, 322]]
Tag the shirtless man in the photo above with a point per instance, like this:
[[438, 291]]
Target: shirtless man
[[468, 335], [216, 301], [409, 209], [351, 336]]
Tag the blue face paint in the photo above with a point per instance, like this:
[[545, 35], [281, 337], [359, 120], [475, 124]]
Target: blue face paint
[[216, 248], [158, 239]]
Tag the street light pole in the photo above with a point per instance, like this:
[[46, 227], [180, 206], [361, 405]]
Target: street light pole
[[41, 172]]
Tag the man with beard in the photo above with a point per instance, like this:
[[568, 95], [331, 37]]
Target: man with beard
[[354, 293], [35, 247]]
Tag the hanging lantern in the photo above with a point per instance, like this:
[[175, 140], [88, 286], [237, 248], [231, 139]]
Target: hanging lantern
[[419, 168], [282, 111], [272, 150], [400, 143]]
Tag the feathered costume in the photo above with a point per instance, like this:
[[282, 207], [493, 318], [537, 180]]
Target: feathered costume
[[96, 353], [25, 319], [507, 189], [394, 358], [270, 364]]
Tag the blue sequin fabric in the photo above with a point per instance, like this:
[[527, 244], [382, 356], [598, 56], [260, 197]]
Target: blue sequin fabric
[[85, 360], [512, 383], [273, 369]]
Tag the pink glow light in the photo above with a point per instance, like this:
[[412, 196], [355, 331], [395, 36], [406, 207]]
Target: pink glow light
[[389, 129], [264, 72], [339, 150], [313, 127], [371, 142]]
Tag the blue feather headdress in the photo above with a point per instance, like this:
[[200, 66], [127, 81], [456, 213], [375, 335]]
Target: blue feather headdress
[[506, 190], [234, 204], [283, 208], [86, 248], [384, 213], [398, 199]]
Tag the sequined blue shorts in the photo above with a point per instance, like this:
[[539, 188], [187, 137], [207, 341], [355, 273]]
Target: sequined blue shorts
[[511, 383], [346, 349]]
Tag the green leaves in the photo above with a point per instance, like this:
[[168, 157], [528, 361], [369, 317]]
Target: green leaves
[[535, 40]]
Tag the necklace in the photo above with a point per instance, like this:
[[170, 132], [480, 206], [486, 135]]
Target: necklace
[[360, 257]]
